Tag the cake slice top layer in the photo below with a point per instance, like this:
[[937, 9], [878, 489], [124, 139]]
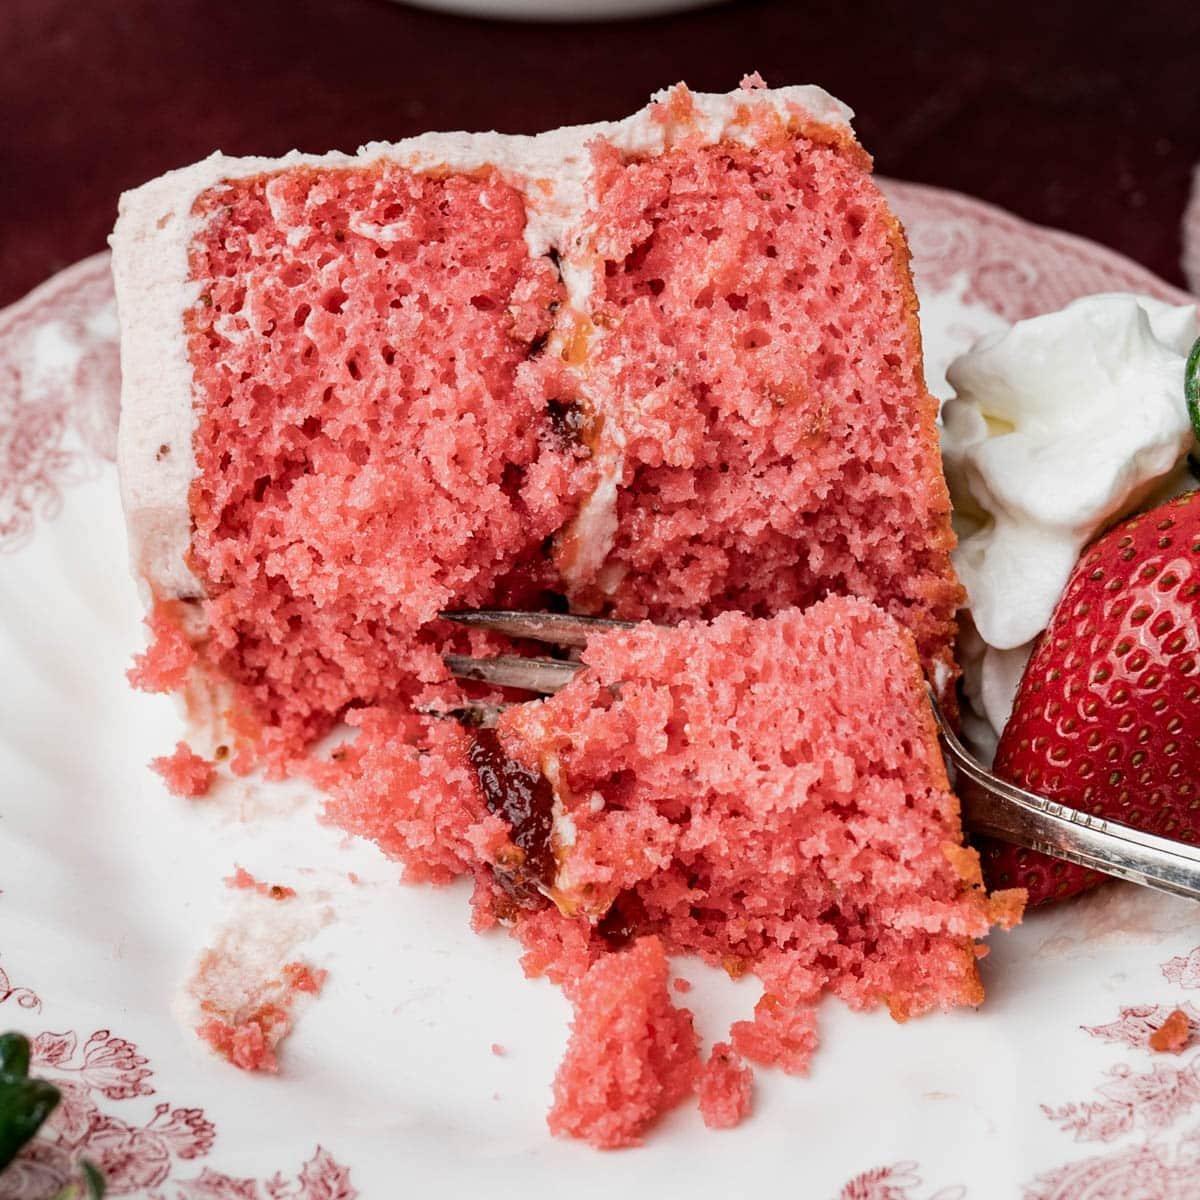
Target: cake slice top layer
[[664, 368], [161, 221]]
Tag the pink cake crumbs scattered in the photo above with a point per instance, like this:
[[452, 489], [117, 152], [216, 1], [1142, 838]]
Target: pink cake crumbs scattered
[[1173, 1035], [778, 1036], [681, 985], [248, 987], [498, 1050], [249, 1045], [632, 1055], [184, 772], [165, 664], [303, 978], [248, 1036], [726, 1087], [241, 878]]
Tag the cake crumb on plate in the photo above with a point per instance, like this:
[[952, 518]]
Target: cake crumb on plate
[[1173, 1035]]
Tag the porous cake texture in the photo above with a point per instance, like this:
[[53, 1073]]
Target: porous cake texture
[[766, 794], [659, 368], [632, 1054], [667, 369]]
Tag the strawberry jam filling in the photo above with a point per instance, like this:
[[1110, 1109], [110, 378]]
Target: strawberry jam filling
[[522, 796]]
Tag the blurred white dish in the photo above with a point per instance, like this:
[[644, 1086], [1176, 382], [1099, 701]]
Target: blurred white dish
[[561, 10]]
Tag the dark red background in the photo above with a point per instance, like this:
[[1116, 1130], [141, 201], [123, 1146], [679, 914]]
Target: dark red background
[[1084, 116]]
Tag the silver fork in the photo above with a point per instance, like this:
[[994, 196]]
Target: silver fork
[[989, 805]]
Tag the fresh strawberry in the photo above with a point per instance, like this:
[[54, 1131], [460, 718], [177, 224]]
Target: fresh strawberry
[[1107, 716]]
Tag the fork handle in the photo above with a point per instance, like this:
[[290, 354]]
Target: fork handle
[[1002, 810]]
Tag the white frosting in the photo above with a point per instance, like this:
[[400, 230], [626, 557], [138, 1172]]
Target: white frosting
[[1061, 425], [156, 228]]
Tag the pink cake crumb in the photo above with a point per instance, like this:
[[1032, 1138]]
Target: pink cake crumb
[[185, 772], [632, 1055], [249, 1045], [248, 1038], [1173, 1035], [241, 878], [303, 978], [164, 665], [681, 985], [779, 1035], [498, 1050], [725, 1088]]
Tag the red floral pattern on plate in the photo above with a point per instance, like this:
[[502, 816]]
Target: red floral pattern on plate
[[1184, 971], [895, 1182], [1137, 1023], [1016, 269], [321, 1178], [136, 1157], [25, 997], [59, 374], [1154, 1103]]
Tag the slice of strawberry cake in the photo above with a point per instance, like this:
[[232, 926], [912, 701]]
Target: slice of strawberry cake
[[664, 368], [766, 794], [657, 368]]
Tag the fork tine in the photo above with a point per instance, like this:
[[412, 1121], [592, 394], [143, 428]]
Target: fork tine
[[473, 714], [560, 629], [511, 670]]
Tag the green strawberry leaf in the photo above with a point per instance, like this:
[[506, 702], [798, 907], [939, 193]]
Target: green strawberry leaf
[[93, 1178], [1191, 387], [24, 1105], [14, 1054]]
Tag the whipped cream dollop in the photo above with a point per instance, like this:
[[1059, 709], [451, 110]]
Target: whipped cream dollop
[[1059, 426]]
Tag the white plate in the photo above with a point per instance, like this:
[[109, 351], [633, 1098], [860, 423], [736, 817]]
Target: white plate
[[388, 1086]]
